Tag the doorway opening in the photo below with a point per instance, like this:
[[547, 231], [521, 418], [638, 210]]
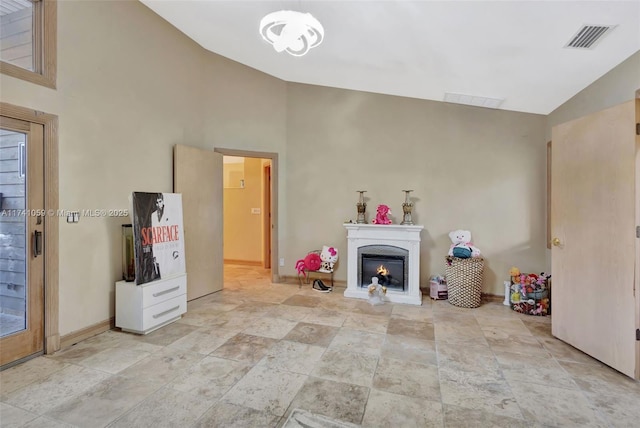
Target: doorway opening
[[250, 212]]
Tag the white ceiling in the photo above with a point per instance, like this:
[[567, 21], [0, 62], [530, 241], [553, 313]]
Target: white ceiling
[[423, 49]]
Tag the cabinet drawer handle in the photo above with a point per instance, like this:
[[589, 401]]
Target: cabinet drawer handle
[[170, 290], [161, 314]]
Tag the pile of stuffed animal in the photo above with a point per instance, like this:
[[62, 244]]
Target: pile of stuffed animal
[[530, 292]]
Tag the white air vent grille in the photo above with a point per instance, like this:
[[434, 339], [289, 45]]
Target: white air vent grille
[[472, 100], [588, 36]]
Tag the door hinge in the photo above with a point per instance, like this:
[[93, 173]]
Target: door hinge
[[637, 231], [637, 128], [638, 334]]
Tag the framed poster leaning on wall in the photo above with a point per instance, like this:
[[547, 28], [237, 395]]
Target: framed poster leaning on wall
[[158, 236]]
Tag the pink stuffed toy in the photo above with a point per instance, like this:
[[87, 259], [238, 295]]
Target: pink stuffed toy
[[382, 215], [311, 262]]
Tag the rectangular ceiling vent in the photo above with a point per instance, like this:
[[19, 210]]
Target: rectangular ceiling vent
[[588, 36], [472, 100]]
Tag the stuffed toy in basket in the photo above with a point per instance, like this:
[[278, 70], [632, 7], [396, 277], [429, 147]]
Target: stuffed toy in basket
[[462, 246], [464, 270]]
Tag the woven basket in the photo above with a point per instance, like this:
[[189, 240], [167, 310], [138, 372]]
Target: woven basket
[[464, 281]]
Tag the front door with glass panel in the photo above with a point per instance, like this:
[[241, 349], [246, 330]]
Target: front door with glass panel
[[21, 240]]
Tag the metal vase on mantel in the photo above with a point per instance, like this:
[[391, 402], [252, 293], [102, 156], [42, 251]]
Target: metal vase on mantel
[[407, 207], [362, 207]]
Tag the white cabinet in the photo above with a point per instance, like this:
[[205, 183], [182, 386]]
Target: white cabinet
[[147, 307]]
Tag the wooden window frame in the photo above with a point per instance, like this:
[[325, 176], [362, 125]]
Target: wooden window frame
[[45, 17]]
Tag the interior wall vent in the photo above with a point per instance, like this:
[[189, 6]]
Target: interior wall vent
[[588, 36]]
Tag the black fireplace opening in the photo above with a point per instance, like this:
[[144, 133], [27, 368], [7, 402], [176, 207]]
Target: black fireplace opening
[[389, 269]]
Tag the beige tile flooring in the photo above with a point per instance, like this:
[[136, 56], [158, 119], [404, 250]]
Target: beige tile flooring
[[250, 354]]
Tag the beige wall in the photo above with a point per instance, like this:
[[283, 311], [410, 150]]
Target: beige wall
[[242, 229], [130, 86], [617, 86], [470, 168], [233, 175], [246, 109]]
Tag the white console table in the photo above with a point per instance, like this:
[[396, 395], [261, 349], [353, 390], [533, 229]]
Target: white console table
[[144, 308]]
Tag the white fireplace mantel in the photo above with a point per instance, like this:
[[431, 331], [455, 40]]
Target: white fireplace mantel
[[402, 236]]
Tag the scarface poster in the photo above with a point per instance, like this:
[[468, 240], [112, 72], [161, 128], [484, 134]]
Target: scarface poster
[[158, 235]]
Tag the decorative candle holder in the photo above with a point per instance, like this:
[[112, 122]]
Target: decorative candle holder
[[128, 260], [407, 207], [362, 207]]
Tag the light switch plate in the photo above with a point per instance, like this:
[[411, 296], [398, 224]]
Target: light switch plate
[[255, 210]]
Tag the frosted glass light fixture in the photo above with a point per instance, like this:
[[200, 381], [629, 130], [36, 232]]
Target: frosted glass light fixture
[[291, 31]]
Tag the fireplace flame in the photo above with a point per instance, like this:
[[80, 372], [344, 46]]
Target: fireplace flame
[[382, 270]]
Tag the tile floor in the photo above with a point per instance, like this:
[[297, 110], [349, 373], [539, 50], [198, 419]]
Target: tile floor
[[252, 353]]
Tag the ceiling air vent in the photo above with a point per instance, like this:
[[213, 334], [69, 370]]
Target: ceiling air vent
[[472, 100], [588, 36]]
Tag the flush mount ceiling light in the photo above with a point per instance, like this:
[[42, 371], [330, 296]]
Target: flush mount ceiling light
[[291, 31]]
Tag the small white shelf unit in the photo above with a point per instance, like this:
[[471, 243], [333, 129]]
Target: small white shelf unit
[[144, 308]]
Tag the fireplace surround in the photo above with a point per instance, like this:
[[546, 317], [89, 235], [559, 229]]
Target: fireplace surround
[[395, 248], [387, 263]]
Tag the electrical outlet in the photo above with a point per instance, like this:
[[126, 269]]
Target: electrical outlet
[[281, 261]]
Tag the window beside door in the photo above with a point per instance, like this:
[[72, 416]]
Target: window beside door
[[28, 40]]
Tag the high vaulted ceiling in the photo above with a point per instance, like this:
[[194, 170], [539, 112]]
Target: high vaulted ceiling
[[513, 50]]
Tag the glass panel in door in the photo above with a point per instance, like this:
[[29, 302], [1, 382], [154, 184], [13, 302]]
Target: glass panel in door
[[13, 226], [21, 240]]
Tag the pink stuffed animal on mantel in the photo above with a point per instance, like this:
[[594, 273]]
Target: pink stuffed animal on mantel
[[382, 215]]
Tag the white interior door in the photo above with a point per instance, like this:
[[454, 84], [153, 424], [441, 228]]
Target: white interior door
[[593, 228], [197, 176]]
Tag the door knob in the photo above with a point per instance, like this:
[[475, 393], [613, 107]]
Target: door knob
[[555, 242]]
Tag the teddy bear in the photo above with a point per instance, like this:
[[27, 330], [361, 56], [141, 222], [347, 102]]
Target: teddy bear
[[382, 215], [462, 246], [329, 256], [377, 292]]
